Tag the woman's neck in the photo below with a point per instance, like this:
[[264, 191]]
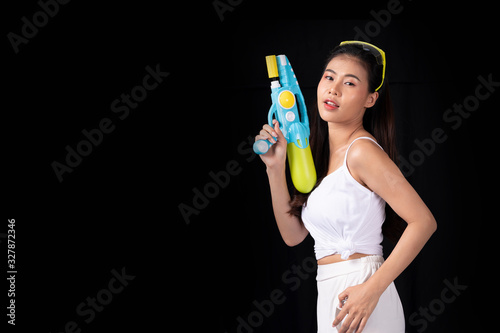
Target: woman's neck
[[339, 136]]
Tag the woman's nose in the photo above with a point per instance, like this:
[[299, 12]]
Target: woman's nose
[[334, 89]]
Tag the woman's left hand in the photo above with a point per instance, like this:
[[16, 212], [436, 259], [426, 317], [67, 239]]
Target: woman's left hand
[[360, 303]]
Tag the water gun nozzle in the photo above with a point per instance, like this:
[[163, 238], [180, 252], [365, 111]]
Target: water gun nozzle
[[272, 67]]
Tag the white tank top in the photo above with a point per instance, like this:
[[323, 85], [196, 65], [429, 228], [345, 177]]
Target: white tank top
[[343, 216]]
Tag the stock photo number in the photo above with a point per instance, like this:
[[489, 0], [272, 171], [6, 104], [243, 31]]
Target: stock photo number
[[11, 271]]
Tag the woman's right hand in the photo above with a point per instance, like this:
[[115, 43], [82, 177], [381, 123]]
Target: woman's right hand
[[276, 156]]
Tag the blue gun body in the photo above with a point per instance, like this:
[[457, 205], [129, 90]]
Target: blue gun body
[[288, 107]]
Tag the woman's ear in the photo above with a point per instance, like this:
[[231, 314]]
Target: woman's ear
[[371, 99]]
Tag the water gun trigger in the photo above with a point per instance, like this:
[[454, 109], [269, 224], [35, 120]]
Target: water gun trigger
[[272, 114]]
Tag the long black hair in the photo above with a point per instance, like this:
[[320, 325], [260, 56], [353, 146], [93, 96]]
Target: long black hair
[[378, 120]]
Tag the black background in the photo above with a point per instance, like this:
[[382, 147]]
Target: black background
[[119, 208]]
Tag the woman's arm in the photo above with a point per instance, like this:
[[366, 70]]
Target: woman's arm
[[291, 228], [372, 167]]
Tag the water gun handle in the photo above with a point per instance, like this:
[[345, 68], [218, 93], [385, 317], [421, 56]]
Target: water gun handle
[[262, 146]]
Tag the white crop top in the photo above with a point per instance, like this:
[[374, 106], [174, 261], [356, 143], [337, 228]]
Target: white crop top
[[343, 216]]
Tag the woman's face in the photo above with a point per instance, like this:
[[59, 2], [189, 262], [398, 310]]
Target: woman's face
[[343, 94]]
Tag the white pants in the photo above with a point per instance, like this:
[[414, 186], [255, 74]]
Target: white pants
[[334, 278]]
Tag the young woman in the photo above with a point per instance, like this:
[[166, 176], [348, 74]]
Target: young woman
[[353, 145]]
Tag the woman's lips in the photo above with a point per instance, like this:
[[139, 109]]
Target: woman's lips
[[330, 104]]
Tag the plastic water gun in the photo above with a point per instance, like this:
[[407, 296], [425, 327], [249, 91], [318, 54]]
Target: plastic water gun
[[287, 102]]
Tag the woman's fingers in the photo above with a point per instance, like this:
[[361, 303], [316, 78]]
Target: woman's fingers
[[270, 130], [277, 129], [263, 135], [267, 133]]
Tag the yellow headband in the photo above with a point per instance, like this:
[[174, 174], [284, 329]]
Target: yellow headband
[[377, 53]]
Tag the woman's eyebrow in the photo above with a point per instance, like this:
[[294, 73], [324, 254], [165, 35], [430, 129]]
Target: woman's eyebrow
[[349, 75]]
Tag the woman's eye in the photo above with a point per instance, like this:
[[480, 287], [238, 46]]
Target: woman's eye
[[350, 84], [328, 77]]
